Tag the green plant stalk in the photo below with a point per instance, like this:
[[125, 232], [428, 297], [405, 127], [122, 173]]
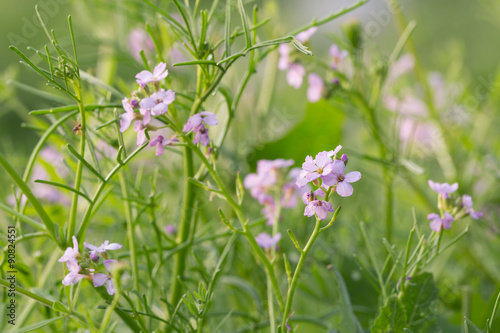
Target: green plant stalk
[[296, 273], [188, 201], [184, 228], [130, 232], [109, 311], [79, 167]]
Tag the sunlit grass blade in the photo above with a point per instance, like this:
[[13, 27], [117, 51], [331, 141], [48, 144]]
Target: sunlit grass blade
[[31, 198], [22, 217]]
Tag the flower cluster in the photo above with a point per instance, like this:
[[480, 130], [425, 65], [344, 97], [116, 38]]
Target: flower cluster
[[147, 102], [451, 207], [274, 188], [198, 124], [87, 265], [327, 174]]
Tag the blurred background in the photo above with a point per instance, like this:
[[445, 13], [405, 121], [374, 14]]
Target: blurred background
[[457, 38]]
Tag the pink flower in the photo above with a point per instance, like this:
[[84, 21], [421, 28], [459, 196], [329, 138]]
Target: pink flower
[[304, 36], [104, 246], [467, 203], [321, 166], [444, 188], [266, 241], [160, 143], [100, 278], [437, 223], [140, 128], [139, 39], [337, 56], [343, 181], [158, 102], [71, 252], [318, 207], [295, 75], [73, 275], [196, 120], [159, 73], [316, 87]]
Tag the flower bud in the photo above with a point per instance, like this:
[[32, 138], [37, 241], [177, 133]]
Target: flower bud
[[94, 256], [344, 159]]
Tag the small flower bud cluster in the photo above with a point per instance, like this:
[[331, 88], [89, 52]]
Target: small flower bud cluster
[[451, 206], [93, 265], [326, 173]]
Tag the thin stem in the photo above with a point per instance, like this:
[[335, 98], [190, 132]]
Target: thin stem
[[296, 274], [130, 232], [79, 167], [184, 227]]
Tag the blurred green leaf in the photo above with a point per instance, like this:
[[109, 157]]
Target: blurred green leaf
[[321, 129], [392, 317]]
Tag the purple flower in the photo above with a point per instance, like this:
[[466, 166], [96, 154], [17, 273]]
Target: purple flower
[[295, 75], [71, 252], [73, 275], [304, 36], [158, 102], [334, 152], [140, 128], [201, 135], [100, 278], [269, 210], [444, 188], [318, 207], [337, 56], [284, 60], [266, 241], [321, 166], [343, 181], [316, 87], [104, 246], [198, 119], [139, 39], [289, 198], [160, 143], [437, 223], [128, 116], [170, 229], [159, 73], [467, 202], [197, 124]]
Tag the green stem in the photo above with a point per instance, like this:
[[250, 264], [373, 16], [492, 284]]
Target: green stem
[[130, 232], [296, 274], [270, 305], [184, 228], [79, 167], [109, 311]]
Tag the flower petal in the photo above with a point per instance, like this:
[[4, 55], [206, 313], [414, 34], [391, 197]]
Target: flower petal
[[110, 287], [344, 189], [338, 168], [352, 177], [99, 279]]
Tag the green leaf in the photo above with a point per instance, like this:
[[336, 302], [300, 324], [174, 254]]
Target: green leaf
[[84, 161], [469, 324], [64, 186], [321, 129], [392, 317], [349, 321], [244, 22], [58, 306], [39, 325], [418, 298]]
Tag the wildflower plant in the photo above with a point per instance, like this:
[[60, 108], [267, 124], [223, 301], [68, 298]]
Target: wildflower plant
[[153, 175]]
